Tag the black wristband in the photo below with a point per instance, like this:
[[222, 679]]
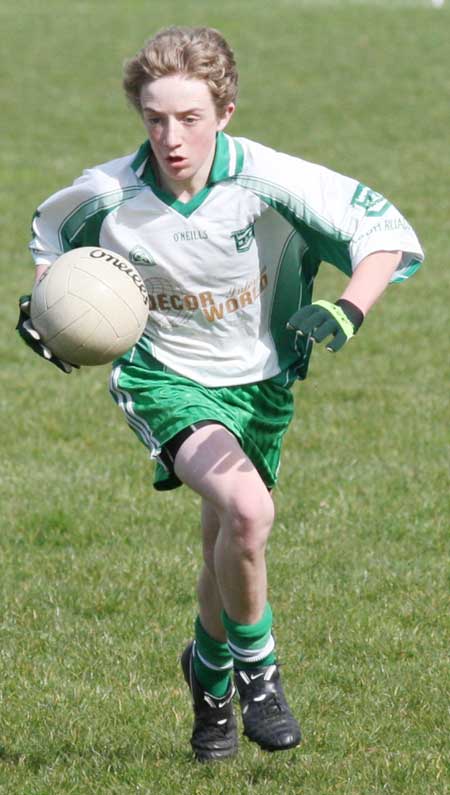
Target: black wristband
[[353, 312]]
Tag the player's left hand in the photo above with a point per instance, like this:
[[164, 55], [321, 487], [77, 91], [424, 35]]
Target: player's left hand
[[322, 319], [32, 338]]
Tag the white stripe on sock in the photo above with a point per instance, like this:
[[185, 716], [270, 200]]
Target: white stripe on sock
[[252, 655], [211, 665]]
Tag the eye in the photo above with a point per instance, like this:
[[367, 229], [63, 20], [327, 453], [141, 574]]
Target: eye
[[151, 119]]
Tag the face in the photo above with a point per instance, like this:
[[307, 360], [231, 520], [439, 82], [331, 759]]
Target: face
[[181, 122]]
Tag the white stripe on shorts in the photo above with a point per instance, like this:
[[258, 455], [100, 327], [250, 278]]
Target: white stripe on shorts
[[125, 402]]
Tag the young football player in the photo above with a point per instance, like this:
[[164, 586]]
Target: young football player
[[228, 235]]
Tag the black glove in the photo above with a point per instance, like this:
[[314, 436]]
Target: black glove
[[322, 319], [32, 337]]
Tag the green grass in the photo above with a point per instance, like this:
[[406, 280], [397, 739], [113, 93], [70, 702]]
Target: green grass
[[98, 570]]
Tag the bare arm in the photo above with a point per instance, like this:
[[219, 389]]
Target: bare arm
[[371, 278]]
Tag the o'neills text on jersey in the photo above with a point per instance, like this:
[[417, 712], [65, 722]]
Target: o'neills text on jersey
[[190, 234]]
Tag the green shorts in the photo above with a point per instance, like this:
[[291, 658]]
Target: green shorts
[[159, 403]]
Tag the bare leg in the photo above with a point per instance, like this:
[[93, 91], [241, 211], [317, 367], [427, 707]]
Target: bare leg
[[213, 464], [209, 599], [237, 518]]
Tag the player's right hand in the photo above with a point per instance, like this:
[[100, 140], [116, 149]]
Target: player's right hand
[[32, 338]]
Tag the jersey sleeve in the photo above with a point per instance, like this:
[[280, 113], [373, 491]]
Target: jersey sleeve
[[49, 240], [73, 216], [341, 220]]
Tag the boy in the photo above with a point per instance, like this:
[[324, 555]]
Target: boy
[[228, 236]]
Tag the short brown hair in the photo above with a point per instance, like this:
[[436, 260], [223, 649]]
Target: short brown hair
[[198, 53]]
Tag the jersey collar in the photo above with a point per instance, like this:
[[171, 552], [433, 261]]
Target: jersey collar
[[228, 160], [228, 163]]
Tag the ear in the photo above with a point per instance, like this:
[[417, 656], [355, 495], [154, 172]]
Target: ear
[[223, 121]]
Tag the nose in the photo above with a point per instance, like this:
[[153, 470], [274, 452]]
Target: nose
[[172, 133]]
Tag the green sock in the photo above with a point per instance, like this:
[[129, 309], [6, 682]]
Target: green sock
[[213, 662], [252, 645]]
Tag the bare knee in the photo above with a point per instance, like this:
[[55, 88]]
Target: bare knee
[[249, 523]]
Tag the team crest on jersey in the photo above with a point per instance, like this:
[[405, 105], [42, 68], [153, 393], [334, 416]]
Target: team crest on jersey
[[139, 256], [244, 238], [373, 203]]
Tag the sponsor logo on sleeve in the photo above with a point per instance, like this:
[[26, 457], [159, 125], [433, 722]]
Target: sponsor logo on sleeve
[[372, 202]]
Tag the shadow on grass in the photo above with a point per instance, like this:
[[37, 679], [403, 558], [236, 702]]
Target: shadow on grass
[[253, 765], [111, 760]]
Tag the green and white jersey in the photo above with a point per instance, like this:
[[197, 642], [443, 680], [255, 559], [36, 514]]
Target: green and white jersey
[[226, 270]]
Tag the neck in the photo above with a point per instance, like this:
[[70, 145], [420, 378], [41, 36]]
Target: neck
[[184, 190]]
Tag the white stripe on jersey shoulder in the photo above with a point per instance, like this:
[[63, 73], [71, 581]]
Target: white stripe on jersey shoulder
[[140, 170], [233, 157]]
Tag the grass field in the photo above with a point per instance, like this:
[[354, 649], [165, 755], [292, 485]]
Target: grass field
[[98, 570]]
